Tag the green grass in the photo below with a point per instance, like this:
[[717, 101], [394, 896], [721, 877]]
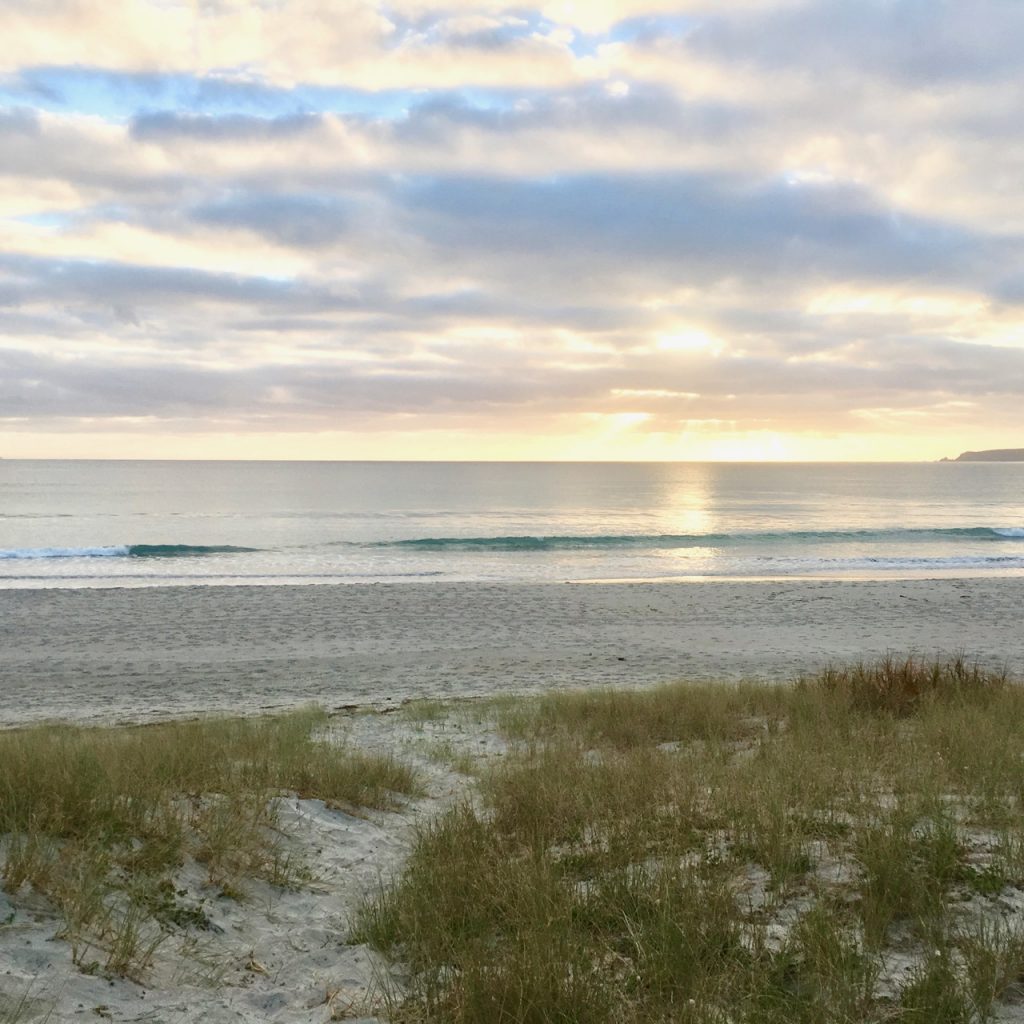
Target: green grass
[[99, 819], [726, 853], [424, 710]]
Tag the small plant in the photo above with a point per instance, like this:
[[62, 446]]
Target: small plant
[[424, 710], [993, 959], [908, 865], [132, 939], [905, 687], [936, 992], [99, 820]]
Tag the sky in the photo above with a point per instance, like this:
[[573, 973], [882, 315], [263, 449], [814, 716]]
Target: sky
[[602, 229]]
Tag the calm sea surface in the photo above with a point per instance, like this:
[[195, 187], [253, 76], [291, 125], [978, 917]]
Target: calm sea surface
[[95, 524]]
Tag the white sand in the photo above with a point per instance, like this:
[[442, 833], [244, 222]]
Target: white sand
[[149, 653]]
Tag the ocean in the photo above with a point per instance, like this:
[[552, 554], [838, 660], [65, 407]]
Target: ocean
[[150, 524]]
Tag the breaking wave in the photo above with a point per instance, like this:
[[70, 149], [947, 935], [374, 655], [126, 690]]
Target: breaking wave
[[126, 551], [692, 540]]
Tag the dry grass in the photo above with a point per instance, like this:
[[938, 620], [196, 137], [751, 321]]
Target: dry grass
[[728, 853], [905, 687], [99, 820], [23, 1006]]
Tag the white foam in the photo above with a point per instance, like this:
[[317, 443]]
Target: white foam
[[1010, 531], [120, 551]]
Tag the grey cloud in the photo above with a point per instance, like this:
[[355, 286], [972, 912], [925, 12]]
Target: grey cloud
[[128, 285], [40, 386], [303, 221], [500, 37], [70, 153], [594, 318], [45, 387], [167, 126], [127, 314], [586, 109], [284, 325], [923, 42], [1010, 289], [697, 228], [11, 294], [39, 324], [107, 294], [15, 121]]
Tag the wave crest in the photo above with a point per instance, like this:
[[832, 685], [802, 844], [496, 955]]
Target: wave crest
[[694, 540], [126, 551]]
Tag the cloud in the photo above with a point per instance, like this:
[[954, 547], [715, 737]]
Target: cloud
[[755, 390], [913, 43], [296, 220], [18, 122], [798, 217], [314, 42], [168, 126], [690, 229], [61, 280]]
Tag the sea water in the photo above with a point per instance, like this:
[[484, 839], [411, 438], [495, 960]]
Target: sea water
[[103, 523]]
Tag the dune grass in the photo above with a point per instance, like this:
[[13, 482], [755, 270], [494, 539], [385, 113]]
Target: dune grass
[[838, 850], [23, 1006], [98, 820]]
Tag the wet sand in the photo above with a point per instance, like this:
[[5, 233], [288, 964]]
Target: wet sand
[[128, 654]]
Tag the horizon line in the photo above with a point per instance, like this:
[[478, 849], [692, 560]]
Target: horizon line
[[581, 462]]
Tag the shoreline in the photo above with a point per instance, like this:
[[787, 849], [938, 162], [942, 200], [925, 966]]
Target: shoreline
[[46, 583], [148, 654]]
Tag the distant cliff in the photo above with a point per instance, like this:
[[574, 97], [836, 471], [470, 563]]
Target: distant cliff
[[992, 455]]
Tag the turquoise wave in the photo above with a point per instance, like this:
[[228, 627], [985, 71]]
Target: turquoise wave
[[577, 542], [126, 551], [184, 550]]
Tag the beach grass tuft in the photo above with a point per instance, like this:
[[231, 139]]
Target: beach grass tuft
[[837, 850], [98, 820], [903, 686]]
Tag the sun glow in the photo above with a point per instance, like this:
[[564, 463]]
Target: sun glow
[[689, 340]]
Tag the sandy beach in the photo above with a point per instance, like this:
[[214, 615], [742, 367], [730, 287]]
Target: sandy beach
[[142, 654], [131, 654]]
